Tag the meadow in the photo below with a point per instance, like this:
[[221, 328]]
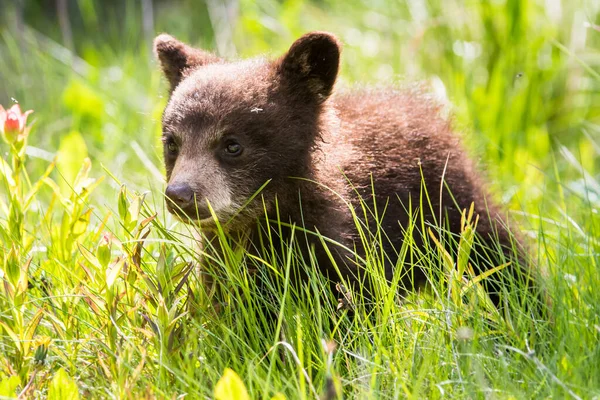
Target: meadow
[[99, 295]]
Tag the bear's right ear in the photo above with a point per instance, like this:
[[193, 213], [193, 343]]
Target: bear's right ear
[[177, 58], [311, 64]]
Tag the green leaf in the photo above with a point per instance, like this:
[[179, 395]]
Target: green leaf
[[103, 253], [113, 272], [72, 155], [81, 180], [11, 266], [7, 172], [91, 259], [30, 330], [467, 237], [82, 99], [81, 223], [23, 283], [231, 387], [134, 210], [123, 205], [62, 387], [36, 187], [83, 184], [12, 334], [15, 219], [8, 386], [162, 272]]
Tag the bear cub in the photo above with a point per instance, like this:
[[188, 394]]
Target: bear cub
[[277, 127]]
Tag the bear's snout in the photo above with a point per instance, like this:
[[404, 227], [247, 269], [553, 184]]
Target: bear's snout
[[180, 195]]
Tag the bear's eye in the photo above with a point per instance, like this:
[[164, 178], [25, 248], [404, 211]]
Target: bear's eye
[[172, 147], [233, 149]]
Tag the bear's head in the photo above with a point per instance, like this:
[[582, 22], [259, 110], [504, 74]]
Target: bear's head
[[232, 129]]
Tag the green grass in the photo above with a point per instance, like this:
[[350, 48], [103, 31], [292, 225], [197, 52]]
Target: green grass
[[99, 281]]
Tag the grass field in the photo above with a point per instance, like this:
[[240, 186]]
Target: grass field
[[99, 297]]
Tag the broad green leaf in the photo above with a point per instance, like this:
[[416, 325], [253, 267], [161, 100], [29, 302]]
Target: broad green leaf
[[12, 334], [62, 387], [11, 266], [80, 225], [81, 98], [134, 210], [23, 283], [30, 330], [103, 252], [72, 154], [92, 260], [231, 387], [8, 386], [113, 272]]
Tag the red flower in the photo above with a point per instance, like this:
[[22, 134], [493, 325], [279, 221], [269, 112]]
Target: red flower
[[12, 123]]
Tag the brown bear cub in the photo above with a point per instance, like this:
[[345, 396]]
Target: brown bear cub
[[232, 129]]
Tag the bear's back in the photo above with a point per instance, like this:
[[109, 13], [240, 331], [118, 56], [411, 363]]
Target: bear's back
[[402, 140], [396, 145]]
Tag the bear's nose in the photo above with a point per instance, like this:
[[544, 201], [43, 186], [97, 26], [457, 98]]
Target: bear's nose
[[181, 194]]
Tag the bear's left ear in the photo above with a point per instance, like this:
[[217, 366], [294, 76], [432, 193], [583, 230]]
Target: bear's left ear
[[177, 58], [311, 64]]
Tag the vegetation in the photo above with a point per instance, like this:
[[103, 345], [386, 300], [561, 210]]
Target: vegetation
[[100, 296]]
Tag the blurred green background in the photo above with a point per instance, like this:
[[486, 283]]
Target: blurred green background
[[521, 78]]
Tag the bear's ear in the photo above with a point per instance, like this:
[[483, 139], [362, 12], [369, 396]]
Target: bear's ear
[[312, 64], [177, 58]]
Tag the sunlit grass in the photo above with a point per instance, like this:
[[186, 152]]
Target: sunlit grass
[[102, 282]]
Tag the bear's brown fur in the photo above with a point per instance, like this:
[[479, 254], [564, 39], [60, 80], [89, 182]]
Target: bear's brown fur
[[231, 127]]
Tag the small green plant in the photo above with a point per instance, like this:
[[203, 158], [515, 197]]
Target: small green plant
[[15, 252], [460, 277]]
